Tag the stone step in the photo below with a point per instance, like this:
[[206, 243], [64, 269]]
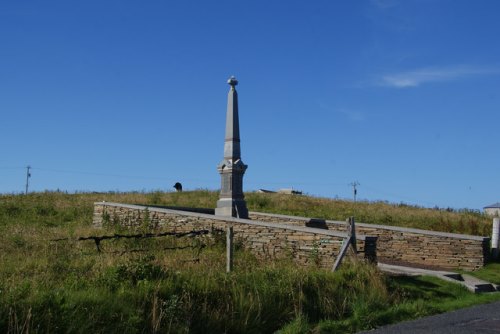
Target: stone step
[[477, 285], [473, 284]]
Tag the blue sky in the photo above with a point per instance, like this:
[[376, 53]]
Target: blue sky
[[401, 96]]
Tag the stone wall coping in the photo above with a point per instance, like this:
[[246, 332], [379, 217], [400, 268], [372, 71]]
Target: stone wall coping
[[385, 227], [232, 219]]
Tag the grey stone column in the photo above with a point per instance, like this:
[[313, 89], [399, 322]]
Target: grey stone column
[[494, 238], [231, 168]]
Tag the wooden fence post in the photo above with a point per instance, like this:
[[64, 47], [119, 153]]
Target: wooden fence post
[[229, 249], [352, 233], [349, 241]]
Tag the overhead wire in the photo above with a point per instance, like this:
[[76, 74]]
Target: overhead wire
[[292, 183]]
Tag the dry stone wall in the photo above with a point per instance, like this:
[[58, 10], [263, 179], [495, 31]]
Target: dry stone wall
[[305, 245], [407, 246]]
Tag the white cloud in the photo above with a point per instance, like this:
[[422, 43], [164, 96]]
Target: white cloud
[[425, 75]]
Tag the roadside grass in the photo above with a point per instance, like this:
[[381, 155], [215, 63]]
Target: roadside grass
[[414, 297], [136, 286]]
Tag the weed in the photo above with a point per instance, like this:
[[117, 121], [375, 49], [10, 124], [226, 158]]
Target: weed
[[106, 219], [145, 222]]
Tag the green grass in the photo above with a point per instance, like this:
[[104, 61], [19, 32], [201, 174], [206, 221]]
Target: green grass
[[135, 286]]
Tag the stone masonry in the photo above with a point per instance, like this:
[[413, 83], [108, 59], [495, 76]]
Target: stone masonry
[[406, 246], [305, 245], [277, 235]]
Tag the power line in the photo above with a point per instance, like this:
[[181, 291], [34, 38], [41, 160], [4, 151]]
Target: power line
[[353, 184], [260, 182], [100, 174], [17, 167], [188, 179], [322, 184]]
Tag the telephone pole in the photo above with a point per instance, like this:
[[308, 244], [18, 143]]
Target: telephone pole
[[354, 189], [28, 175]]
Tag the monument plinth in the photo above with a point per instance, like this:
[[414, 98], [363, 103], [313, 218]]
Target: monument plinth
[[231, 168]]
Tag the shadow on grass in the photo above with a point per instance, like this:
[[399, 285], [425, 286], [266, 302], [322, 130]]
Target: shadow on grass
[[421, 287]]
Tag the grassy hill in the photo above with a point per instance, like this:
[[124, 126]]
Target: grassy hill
[[50, 282], [56, 207]]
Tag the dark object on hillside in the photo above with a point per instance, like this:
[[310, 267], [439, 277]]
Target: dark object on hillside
[[290, 192], [317, 223], [178, 186]]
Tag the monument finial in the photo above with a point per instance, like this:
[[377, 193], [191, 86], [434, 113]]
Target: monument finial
[[232, 81]]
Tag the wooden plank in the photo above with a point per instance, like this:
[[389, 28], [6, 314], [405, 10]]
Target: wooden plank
[[343, 251]]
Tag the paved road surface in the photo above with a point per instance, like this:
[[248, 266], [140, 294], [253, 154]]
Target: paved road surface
[[483, 319]]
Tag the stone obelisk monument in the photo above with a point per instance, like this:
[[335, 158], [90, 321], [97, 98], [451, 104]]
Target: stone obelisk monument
[[232, 201]]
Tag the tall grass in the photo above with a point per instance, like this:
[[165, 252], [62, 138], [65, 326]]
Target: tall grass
[[136, 286], [52, 208], [68, 286], [457, 221]]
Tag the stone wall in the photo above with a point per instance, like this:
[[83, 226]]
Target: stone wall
[[305, 245], [406, 246]]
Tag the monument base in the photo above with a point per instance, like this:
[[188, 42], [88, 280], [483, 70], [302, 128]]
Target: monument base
[[232, 208]]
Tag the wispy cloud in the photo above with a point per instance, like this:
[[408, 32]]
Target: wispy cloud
[[352, 115], [421, 76]]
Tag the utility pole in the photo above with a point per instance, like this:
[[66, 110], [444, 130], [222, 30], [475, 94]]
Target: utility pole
[[28, 175], [354, 189]]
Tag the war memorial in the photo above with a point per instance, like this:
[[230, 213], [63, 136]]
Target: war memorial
[[273, 236]]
